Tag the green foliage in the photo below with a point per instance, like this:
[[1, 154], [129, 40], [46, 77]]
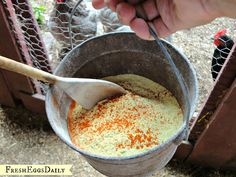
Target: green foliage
[[39, 12]]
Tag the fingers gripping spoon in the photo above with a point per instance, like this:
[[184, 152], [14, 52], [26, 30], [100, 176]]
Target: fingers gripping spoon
[[86, 92]]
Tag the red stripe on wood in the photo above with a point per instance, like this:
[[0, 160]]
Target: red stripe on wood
[[9, 48], [22, 46]]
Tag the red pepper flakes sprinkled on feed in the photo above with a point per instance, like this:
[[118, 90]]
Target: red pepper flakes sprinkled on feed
[[125, 124], [125, 120], [84, 124], [140, 140]]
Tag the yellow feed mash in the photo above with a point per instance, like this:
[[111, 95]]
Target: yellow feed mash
[[129, 124]]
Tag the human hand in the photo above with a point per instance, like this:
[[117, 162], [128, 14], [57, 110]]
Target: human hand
[[165, 16]]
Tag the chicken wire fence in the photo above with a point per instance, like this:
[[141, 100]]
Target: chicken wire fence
[[42, 28], [223, 44]]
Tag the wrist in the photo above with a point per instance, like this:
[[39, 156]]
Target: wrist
[[221, 8], [213, 7]]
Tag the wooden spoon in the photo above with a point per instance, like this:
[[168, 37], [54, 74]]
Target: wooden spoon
[[86, 92]]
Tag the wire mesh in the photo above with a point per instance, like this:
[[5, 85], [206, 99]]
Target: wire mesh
[[224, 45], [27, 34], [86, 23], [52, 17]]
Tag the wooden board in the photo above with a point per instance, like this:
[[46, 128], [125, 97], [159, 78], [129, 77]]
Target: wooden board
[[35, 103], [5, 95], [221, 87], [216, 147], [9, 48]]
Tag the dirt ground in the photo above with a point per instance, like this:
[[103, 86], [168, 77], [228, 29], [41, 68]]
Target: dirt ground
[[26, 138]]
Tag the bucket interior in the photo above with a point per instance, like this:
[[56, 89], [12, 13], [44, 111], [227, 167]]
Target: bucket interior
[[113, 54]]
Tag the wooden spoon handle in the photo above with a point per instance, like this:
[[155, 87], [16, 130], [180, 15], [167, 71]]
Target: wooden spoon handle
[[11, 65]]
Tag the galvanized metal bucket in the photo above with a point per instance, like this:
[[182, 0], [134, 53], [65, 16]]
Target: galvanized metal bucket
[[123, 53]]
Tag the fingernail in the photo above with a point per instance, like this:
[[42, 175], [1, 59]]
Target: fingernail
[[150, 38]]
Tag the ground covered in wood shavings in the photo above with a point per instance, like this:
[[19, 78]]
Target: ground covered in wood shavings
[[198, 46], [27, 138]]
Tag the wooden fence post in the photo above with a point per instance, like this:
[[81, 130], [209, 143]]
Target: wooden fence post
[[213, 136], [18, 27]]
